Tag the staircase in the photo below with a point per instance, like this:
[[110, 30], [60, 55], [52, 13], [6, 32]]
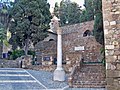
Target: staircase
[[88, 76]]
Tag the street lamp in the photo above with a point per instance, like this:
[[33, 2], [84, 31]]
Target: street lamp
[[59, 73]]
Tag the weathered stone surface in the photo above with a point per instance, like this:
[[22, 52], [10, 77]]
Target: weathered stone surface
[[111, 87], [118, 66], [113, 23], [109, 81], [110, 66], [111, 59], [111, 13], [109, 46]]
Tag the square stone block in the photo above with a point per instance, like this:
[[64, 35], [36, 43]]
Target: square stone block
[[106, 23], [118, 66], [109, 46], [117, 52], [111, 58], [106, 31], [109, 81], [119, 57], [110, 73], [110, 66], [111, 87], [113, 23]]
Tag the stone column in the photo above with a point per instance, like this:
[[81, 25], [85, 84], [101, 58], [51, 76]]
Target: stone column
[[59, 74], [59, 50], [111, 20]]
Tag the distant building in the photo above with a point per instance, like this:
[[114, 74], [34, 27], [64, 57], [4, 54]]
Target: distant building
[[77, 41]]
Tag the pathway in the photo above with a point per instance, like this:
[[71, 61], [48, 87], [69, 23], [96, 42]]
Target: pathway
[[21, 79]]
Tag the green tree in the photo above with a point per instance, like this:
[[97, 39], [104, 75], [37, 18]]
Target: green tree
[[30, 20], [98, 22], [83, 16], [93, 11], [2, 32], [4, 23], [56, 9], [89, 6], [69, 12]]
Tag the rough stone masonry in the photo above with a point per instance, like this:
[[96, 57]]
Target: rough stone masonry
[[111, 18]]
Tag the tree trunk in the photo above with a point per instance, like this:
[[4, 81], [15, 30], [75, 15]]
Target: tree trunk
[[26, 46]]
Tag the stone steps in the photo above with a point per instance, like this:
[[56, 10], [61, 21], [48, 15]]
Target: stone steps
[[90, 75]]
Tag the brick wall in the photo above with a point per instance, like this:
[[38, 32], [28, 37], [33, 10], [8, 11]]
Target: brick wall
[[111, 18]]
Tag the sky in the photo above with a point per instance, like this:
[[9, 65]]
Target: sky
[[52, 3]]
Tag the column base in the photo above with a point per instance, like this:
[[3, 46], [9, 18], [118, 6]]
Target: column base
[[59, 75]]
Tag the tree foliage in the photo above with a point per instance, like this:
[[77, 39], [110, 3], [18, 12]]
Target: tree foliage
[[3, 22], [2, 32], [98, 22], [68, 12], [29, 22], [89, 6], [93, 11]]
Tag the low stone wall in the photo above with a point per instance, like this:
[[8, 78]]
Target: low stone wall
[[50, 68], [9, 64]]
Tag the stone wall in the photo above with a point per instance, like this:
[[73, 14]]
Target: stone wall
[[111, 18], [9, 64], [46, 49]]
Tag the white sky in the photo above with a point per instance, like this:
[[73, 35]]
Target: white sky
[[52, 3]]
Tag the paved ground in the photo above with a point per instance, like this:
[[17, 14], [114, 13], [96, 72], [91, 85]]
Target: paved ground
[[20, 79]]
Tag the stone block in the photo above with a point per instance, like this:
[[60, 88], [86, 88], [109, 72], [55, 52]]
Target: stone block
[[109, 81], [118, 57], [118, 66], [117, 74], [117, 52], [111, 87], [111, 58], [109, 46], [110, 73], [110, 66], [113, 23], [117, 12], [106, 31], [116, 82], [106, 23]]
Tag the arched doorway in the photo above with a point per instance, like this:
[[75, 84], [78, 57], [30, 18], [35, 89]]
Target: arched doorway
[[87, 33]]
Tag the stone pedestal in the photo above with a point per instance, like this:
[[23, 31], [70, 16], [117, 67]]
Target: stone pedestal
[[59, 75]]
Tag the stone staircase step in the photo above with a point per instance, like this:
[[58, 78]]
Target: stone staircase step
[[90, 75], [89, 86]]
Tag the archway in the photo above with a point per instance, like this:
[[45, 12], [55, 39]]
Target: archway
[[51, 40], [87, 33]]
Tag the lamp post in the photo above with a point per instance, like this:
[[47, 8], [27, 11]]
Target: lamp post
[[59, 73]]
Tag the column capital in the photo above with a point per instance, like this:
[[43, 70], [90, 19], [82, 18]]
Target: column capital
[[59, 31]]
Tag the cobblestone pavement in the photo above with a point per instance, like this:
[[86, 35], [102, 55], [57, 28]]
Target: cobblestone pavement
[[20, 79]]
